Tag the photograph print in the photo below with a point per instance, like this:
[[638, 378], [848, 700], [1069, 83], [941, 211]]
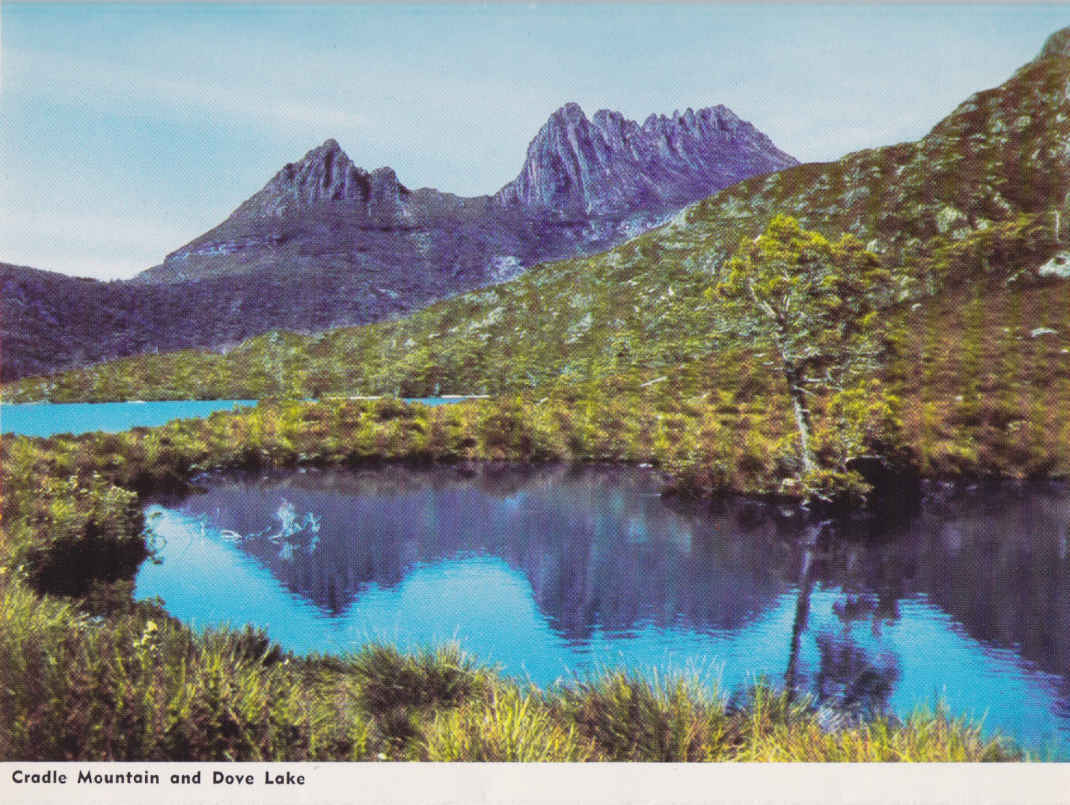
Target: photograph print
[[534, 383]]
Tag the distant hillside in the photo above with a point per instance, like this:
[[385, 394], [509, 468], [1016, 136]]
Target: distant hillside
[[326, 244], [51, 322], [980, 202]]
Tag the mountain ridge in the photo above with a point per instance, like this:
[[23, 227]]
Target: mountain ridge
[[585, 185], [323, 244], [608, 164], [981, 201]]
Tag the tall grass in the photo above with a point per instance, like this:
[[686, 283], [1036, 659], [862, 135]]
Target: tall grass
[[628, 717], [512, 724], [924, 737], [398, 690], [136, 685]]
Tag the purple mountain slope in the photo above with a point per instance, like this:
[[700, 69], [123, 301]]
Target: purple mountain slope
[[609, 165], [327, 244], [585, 185]]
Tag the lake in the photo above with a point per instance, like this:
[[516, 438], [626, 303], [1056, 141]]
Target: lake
[[556, 572], [48, 419]]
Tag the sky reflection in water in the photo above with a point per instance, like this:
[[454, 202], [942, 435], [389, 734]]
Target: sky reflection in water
[[553, 572]]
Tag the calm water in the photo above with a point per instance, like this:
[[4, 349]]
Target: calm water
[[47, 419], [552, 572]]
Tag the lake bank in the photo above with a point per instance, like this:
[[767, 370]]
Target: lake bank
[[556, 572], [51, 419], [699, 456], [139, 686], [84, 492]]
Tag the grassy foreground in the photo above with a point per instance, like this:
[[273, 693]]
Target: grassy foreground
[[138, 686], [85, 673]]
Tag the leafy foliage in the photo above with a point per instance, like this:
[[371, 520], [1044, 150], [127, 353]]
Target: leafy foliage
[[69, 533], [815, 303], [813, 300]]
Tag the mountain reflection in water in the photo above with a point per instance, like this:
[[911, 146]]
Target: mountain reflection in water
[[551, 570], [598, 548]]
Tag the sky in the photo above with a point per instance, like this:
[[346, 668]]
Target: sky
[[128, 130]]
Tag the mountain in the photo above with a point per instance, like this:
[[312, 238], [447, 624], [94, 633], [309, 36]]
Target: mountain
[[326, 244], [325, 217], [51, 320], [586, 185], [976, 210], [578, 168]]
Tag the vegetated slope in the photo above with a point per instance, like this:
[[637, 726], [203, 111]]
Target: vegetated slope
[[51, 321], [979, 202], [326, 244]]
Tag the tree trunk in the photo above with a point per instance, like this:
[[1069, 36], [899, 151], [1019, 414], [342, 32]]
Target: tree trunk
[[802, 606], [802, 416]]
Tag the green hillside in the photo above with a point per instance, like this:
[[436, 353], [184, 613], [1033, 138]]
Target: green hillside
[[980, 200], [969, 224]]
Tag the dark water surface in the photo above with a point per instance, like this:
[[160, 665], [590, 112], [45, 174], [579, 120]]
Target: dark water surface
[[555, 571]]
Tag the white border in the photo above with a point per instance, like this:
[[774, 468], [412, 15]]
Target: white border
[[591, 784]]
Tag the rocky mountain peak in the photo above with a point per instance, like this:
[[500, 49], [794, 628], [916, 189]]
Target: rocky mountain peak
[[571, 112], [1056, 46], [586, 184], [326, 173], [608, 165]]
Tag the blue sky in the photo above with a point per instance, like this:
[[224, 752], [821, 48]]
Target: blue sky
[[128, 130]]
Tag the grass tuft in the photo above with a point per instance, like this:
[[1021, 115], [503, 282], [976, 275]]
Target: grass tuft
[[628, 717], [137, 686]]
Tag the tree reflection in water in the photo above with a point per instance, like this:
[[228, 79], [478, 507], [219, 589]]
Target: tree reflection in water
[[851, 682], [567, 566], [602, 551], [810, 543]]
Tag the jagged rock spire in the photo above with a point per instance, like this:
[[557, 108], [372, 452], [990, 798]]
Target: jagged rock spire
[[326, 173], [608, 164]]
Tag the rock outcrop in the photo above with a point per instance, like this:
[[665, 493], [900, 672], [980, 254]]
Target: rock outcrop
[[1056, 46], [585, 185], [609, 165], [326, 173]]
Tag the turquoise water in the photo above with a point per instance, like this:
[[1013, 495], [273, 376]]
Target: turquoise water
[[554, 573], [47, 419]]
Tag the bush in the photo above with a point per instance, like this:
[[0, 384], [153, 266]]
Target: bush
[[82, 533], [626, 717]]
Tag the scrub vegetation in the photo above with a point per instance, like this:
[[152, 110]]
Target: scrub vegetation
[[956, 264], [87, 673], [137, 685]]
